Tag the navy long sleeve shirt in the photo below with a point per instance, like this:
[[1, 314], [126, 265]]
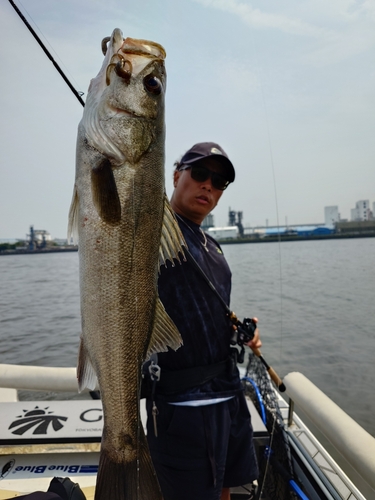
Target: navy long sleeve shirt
[[198, 314]]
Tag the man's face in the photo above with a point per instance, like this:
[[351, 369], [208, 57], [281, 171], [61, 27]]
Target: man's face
[[193, 199]]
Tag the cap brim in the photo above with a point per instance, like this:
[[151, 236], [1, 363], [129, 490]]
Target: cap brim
[[223, 160]]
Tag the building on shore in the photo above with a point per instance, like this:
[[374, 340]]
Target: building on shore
[[208, 222], [356, 227], [331, 215], [361, 212], [362, 223], [224, 233], [297, 230]]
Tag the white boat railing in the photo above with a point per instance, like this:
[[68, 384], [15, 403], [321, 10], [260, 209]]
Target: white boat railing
[[38, 378], [355, 444]]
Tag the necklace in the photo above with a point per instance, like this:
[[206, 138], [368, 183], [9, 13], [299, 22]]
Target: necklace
[[204, 243]]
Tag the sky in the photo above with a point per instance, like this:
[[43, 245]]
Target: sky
[[286, 88]]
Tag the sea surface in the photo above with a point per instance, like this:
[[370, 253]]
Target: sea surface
[[315, 301]]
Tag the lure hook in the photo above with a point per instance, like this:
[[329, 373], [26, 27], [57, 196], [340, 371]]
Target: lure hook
[[124, 69]]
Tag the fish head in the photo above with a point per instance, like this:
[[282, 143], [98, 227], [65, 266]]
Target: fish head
[[124, 112]]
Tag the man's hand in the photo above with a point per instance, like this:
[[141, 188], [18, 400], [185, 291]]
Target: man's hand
[[255, 343]]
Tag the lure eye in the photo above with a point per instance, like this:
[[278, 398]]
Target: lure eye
[[152, 84]]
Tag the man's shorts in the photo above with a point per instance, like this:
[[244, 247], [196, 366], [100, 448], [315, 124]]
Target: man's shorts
[[201, 449]]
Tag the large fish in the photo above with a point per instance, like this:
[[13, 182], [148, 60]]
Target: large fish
[[126, 229]]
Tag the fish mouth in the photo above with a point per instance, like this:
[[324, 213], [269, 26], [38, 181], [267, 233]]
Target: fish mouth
[[128, 112]]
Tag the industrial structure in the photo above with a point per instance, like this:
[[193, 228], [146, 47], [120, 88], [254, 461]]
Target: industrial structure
[[37, 239], [235, 219]]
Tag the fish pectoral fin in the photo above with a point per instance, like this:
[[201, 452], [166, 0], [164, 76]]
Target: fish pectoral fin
[[172, 239], [85, 371], [104, 192], [164, 334], [73, 218]]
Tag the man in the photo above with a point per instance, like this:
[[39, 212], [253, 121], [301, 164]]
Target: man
[[204, 442]]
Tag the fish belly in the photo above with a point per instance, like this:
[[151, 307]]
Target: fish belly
[[118, 273]]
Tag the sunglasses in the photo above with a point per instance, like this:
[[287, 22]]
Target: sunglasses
[[200, 174]]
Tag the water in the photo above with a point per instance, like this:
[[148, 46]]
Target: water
[[315, 304], [314, 300], [39, 309]]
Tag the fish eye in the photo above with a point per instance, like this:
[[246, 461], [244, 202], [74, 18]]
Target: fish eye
[[152, 84]]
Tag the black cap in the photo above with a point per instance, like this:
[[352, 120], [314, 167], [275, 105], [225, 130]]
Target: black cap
[[206, 150]]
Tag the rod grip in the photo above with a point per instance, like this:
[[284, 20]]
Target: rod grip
[[274, 376]]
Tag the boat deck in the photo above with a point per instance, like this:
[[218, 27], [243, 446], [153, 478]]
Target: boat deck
[[43, 439]]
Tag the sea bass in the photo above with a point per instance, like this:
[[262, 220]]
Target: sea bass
[[126, 230]]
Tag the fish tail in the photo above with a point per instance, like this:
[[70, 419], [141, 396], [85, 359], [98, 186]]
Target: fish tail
[[134, 480]]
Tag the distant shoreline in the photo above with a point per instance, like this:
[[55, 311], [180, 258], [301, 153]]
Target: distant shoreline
[[250, 239], [283, 238], [39, 251]]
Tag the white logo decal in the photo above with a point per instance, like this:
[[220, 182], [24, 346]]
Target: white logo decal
[[216, 151], [7, 468]]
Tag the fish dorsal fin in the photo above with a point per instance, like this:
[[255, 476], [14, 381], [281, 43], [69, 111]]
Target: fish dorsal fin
[[73, 218], [164, 333], [85, 372], [172, 240]]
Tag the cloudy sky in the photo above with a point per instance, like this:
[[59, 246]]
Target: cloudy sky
[[287, 88]]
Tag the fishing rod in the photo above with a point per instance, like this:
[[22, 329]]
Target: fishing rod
[[245, 329], [48, 54]]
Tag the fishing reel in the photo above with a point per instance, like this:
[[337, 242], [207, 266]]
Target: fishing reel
[[242, 335]]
